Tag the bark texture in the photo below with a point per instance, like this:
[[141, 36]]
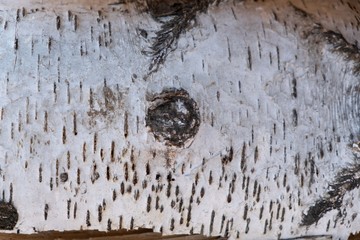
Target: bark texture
[[265, 95]]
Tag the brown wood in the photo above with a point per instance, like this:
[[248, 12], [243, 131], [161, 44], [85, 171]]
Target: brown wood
[[140, 234]]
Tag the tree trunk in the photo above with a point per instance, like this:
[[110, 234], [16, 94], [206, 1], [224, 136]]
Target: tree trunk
[[222, 118]]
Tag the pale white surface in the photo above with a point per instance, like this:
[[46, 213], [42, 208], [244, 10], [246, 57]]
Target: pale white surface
[[252, 107]]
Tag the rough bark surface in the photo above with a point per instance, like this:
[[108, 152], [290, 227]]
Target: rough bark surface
[[269, 88]]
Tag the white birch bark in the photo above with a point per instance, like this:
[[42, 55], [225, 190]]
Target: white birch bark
[[277, 94]]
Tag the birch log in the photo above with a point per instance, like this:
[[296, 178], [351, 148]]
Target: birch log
[[227, 118]]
